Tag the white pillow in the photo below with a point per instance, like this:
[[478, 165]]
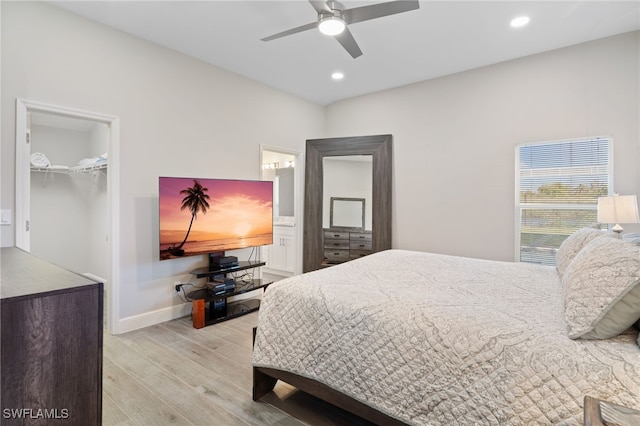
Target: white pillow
[[602, 289], [632, 238], [572, 245]]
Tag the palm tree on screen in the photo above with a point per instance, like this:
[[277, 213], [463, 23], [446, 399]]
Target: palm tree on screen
[[195, 199]]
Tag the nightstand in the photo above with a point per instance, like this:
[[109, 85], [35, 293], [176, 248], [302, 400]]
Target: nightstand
[[603, 413]]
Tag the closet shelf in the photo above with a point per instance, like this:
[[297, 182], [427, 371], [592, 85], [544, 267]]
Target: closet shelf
[[87, 168], [92, 171]]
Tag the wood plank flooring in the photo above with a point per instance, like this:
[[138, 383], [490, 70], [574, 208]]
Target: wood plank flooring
[[174, 374]]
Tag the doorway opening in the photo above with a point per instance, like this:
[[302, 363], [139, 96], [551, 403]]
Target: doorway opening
[[66, 192], [284, 167]]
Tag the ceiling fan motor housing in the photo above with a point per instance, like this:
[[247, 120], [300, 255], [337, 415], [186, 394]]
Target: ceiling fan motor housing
[[335, 6], [332, 22]]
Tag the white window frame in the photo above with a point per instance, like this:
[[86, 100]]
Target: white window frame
[[519, 207]]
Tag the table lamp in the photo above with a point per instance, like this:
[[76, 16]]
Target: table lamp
[[618, 209]]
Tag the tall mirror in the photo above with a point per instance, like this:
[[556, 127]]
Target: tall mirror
[[347, 203]]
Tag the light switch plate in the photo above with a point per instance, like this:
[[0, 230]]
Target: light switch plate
[[5, 217]]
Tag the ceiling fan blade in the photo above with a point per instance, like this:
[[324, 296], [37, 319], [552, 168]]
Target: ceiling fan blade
[[365, 13], [320, 6], [347, 41], [299, 29]]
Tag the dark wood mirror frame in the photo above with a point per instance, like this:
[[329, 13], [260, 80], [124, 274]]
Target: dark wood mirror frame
[[380, 147]]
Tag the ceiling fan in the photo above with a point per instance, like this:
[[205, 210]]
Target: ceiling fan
[[333, 20]]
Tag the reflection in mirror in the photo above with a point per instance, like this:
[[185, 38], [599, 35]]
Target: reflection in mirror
[[347, 212], [348, 176], [283, 183]]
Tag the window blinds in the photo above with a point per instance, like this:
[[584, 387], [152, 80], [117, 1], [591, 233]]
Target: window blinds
[[558, 186]]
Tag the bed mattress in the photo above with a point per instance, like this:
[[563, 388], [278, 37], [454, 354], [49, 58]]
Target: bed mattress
[[439, 340]]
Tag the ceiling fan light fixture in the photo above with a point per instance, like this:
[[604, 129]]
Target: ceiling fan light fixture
[[331, 25]]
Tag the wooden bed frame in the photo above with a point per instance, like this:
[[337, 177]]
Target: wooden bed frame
[[264, 380], [617, 414]]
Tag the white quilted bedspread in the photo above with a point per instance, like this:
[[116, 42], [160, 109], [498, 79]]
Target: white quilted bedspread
[[443, 340]]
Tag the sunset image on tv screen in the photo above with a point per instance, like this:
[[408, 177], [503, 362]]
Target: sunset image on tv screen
[[199, 216]]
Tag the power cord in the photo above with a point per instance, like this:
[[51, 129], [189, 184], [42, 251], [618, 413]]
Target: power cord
[[184, 296], [253, 252]]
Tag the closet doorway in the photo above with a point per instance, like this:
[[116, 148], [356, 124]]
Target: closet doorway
[[66, 183]]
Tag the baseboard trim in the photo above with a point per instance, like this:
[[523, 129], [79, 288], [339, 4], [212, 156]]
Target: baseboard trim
[[147, 319]]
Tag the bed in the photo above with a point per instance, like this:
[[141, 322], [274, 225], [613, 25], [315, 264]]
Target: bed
[[405, 337]]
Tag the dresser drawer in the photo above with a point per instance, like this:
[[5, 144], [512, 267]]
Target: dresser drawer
[[360, 245], [355, 254], [336, 235], [336, 244], [336, 255], [360, 236]]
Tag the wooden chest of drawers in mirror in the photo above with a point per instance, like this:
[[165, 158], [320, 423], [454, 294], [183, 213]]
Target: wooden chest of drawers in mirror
[[360, 244], [343, 245]]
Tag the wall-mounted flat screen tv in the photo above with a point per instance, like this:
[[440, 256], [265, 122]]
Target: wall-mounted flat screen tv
[[200, 216]]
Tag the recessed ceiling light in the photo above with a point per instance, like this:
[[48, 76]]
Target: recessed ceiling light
[[337, 75], [520, 21]]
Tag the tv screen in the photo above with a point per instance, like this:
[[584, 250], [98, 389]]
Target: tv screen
[[200, 216]]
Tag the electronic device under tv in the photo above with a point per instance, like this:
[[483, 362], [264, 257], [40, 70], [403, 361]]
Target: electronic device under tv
[[210, 216]]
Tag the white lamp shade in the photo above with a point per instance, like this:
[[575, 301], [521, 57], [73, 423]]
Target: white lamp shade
[[618, 209]]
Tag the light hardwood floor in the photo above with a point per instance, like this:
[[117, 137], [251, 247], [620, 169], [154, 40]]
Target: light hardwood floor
[[172, 373]]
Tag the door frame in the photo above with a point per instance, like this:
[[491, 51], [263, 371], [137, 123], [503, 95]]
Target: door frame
[[23, 187], [298, 185]]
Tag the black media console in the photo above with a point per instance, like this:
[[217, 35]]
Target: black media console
[[210, 305]]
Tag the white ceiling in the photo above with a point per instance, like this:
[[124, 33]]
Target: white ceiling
[[440, 38]]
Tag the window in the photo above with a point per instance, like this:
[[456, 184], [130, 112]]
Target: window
[[558, 185]]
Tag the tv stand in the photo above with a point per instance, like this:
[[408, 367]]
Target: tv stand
[[210, 305]]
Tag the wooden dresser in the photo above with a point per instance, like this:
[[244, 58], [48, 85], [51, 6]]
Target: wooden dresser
[[341, 245], [51, 337]]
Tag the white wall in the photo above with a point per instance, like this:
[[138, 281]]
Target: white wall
[[454, 138], [178, 116]]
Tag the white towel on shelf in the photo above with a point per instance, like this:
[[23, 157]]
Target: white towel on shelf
[[87, 161], [58, 167], [93, 160], [38, 159]]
